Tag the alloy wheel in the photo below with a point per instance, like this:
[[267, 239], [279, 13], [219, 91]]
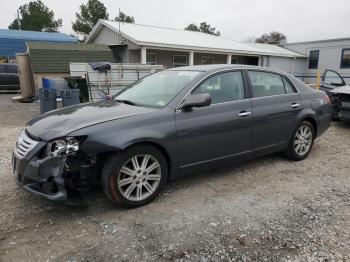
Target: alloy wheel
[[139, 177], [303, 140]]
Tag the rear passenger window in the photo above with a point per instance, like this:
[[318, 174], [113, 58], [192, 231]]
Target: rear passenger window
[[12, 69], [289, 88], [266, 84]]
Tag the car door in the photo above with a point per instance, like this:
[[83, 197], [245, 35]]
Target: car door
[[330, 80], [12, 78], [275, 105], [3, 78], [218, 131]]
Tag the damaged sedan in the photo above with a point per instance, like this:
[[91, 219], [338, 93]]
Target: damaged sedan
[[168, 124], [339, 92]]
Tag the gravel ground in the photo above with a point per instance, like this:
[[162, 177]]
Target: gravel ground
[[269, 209]]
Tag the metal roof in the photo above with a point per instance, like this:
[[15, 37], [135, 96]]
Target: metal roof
[[55, 57], [155, 36], [14, 41], [67, 46], [318, 41], [36, 36]]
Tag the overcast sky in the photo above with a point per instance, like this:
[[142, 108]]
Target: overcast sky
[[299, 20]]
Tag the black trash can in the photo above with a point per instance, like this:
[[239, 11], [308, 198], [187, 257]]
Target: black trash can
[[81, 84], [70, 97], [47, 99]]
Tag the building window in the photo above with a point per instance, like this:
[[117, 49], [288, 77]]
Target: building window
[[151, 58], [179, 60], [313, 59], [345, 58], [234, 60], [207, 60]]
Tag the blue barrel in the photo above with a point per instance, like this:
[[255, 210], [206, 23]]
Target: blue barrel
[[70, 97], [48, 83], [47, 99]]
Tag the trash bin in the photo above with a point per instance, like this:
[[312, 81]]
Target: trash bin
[[48, 83], [81, 84], [47, 99], [70, 97]]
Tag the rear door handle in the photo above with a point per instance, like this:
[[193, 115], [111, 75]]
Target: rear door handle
[[294, 105], [244, 113]]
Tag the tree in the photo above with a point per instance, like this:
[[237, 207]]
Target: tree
[[89, 15], [192, 27], [36, 16], [125, 18], [203, 27], [274, 38]]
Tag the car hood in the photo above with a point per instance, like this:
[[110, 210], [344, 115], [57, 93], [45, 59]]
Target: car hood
[[61, 122], [341, 90]]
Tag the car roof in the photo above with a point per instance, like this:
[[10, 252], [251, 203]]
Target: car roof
[[218, 67]]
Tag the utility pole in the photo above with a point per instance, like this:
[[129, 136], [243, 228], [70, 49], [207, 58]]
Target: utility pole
[[18, 21], [119, 20]]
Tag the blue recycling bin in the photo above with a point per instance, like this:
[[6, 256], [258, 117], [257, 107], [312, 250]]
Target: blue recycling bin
[[70, 97], [48, 83], [47, 99]]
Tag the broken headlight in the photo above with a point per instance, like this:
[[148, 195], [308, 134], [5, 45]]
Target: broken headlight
[[63, 146]]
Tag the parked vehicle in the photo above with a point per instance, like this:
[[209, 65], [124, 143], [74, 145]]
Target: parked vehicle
[[169, 124], [339, 92], [9, 78]]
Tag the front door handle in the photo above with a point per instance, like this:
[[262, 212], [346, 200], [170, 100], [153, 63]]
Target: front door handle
[[244, 113], [294, 105]]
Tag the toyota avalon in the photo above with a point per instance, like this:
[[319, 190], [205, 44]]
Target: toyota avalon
[[168, 124]]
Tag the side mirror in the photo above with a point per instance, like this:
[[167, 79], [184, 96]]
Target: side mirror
[[200, 100]]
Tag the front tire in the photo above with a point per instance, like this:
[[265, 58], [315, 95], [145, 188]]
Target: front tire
[[301, 142], [134, 177]]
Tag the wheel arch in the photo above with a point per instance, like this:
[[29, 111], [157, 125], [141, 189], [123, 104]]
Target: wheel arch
[[156, 145], [310, 116], [161, 148], [312, 121]]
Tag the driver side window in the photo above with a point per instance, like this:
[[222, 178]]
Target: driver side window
[[332, 77], [223, 87]]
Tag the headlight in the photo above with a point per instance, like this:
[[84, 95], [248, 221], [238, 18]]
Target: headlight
[[63, 146]]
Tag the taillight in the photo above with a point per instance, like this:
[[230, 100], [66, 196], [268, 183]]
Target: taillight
[[326, 99]]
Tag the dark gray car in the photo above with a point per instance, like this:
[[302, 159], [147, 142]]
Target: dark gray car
[[9, 78], [335, 86], [169, 124]]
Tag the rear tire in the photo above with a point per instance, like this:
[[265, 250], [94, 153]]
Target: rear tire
[[135, 176], [301, 142]]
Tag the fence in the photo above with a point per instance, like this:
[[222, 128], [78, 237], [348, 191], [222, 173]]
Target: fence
[[101, 83]]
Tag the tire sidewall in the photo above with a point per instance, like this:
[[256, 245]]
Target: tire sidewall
[[119, 161]]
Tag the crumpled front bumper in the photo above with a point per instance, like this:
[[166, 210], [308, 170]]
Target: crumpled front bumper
[[40, 176]]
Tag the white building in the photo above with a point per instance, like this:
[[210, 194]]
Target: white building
[[323, 54], [133, 43]]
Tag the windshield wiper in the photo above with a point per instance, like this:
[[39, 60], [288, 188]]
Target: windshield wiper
[[125, 102]]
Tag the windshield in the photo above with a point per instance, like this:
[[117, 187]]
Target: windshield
[[156, 90]]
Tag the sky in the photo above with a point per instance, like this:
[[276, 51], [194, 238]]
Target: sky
[[299, 20]]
